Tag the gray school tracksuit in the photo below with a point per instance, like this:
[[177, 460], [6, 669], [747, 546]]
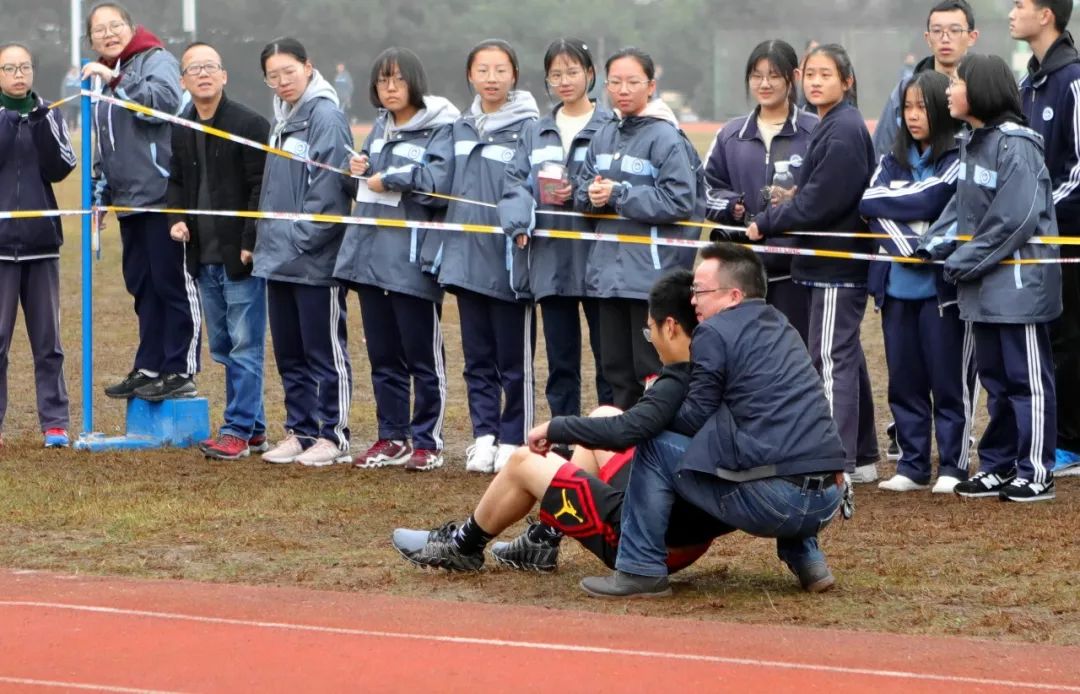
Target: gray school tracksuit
[[660, 182], [1003, 198], [401, 305], [497, 321], [35, 152], [133, 166], [305, 304], [555, 267]]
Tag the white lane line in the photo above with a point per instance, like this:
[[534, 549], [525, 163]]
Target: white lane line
[[84, 686], [542, 646]]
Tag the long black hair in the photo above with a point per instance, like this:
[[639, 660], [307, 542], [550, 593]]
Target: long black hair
[[781, 57], [943, 127], [992, 94], [411, 69], [844, 68]]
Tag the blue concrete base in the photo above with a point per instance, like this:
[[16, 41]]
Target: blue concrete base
[[175, 423]]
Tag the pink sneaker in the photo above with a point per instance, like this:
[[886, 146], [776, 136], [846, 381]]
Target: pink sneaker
[[324, 452], [285, 452]]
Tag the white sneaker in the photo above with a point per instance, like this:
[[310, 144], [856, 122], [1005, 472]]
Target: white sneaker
[[945, 485], [864, 474], [480, 457], [901, 483], [284, 452], [503, 456], [324, 452]]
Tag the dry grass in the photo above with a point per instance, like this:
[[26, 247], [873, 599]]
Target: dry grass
[[907, 563]]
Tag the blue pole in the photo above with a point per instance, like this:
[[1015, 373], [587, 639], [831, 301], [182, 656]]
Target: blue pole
[[87, 268]]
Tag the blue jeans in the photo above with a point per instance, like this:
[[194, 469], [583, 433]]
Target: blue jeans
[[770, 507], [235, 314]]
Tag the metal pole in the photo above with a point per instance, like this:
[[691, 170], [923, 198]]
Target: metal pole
[[190, 23], [87, 268], [76, 22]]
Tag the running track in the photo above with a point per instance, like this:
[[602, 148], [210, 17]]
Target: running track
[[89, 634]]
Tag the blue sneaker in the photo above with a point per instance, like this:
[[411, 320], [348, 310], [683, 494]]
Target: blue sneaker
[[1066, 460], [57, 438]]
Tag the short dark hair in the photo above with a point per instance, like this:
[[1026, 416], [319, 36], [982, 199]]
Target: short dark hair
[[643, 59], [846, 70], [992, 94], [670, 298], [1062, 10], [781, 57], [943, 127], [499, 45], [575, 50], [197, 44], [742, 266], [109, 4], [953, 6], [411, 69], [284, 44]]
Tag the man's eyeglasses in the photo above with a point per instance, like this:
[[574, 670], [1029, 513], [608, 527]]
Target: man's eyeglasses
[[11, 70], [647, 332], [100, 31], [208, 68], [698, 291], [954, 32]]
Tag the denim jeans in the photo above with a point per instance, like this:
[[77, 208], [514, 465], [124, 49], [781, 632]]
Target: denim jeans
[[235, 314], [770, 507]]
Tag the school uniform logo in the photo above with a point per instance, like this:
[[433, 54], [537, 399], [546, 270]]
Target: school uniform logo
[[1048, 114], [985, 177], [795, 161], [296, 146]]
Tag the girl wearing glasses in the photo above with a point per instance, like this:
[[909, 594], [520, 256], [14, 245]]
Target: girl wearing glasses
[[643, 168], [830, 183], [409, 151], [305, 304], [744, 157], [133, 160], [35, 153], [497, 321], [548, 158]]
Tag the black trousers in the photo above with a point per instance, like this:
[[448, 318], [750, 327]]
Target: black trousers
[[627, 357]]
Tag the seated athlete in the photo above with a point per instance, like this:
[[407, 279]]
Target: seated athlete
[[581, 498]]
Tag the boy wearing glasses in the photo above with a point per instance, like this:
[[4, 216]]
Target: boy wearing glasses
[[212, 173]]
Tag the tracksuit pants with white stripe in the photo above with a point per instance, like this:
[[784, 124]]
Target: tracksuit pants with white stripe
[[166, 296], [1017, 370], [498, 339], [405, 348], [930, 354], [836, 315], [310, 338]]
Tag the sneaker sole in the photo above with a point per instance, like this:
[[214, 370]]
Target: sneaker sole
[[281, 461], [342, 460], [375, 464], [1042, 497], [220, 456], [916, 488], [170, 396], [522, 566], [423, 468], [666, 593], [821, 585], [977, 495]]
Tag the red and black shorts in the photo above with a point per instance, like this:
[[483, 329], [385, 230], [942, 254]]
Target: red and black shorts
[[589, 509]]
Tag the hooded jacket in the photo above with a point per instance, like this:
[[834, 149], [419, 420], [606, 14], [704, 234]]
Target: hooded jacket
[[1050, 93], [838, 164], [888, 126], [897, 205], [413, 159], [739, 167], [484, 144], [1003, 198], [556, 267], [134, 149], [660, 182], [35, 152], [314, 128]]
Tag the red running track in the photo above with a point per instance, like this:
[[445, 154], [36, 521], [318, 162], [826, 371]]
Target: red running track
[[98, 634]]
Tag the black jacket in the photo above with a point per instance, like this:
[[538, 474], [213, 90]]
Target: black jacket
[[650, 416], [235, 174]]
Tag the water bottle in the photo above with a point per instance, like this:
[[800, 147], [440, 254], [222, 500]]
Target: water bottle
[[782, 177]]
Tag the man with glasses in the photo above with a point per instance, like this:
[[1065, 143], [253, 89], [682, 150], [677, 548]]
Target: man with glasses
[[950, 33], [212, 173], [766, 457]]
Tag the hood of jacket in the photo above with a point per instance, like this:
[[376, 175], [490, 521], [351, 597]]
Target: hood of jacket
[[437, 111], [1061, 53], [318, 88], [519, 106], [657, 109]]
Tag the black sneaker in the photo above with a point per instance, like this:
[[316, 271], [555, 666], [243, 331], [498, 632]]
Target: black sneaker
[[440, 552], [170, 387], [125, 389], [893, 452], [982, 484], [536, 549], [1025, 491]]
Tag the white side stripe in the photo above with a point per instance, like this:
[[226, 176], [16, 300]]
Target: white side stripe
[[1065, 189], [529, 385], [970, 384], [440, 373], [828, 328], [195, 308], [341, 365], [902, 243], [949, 177], [1036, 451]]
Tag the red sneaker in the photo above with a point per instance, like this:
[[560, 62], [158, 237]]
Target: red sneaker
[[423, 460], [258, 444], [385, 452], [226, 447], [57, 438]]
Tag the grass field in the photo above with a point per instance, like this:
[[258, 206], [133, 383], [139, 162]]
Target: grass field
[[907, 563]]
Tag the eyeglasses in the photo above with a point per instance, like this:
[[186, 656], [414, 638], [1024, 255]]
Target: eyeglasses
[[208, 68], [276, 79], [954, 32], [484, 72], [698, 291], [11, 70], [100, 31], [758, 80], [647, 332], [631, 85], [385, 81], [556, 78]]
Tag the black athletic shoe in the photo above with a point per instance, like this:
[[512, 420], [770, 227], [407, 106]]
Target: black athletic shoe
[[1025, 491], [125, 389], [439, 551], [982, 484], [893, 452], [171, 387], [536, 549]]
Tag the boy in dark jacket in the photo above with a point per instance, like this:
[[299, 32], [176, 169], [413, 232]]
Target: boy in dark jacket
[[35, 153]]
